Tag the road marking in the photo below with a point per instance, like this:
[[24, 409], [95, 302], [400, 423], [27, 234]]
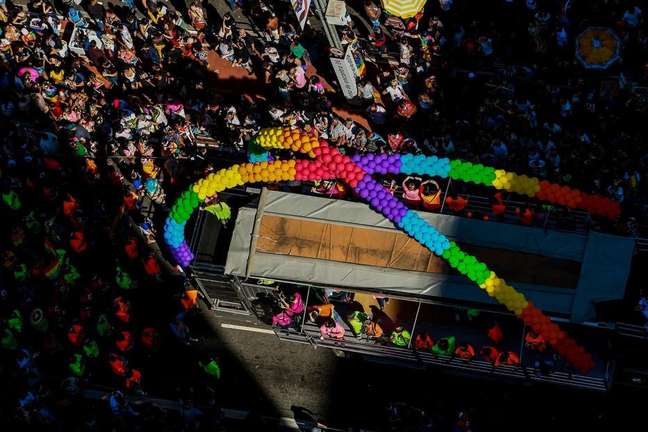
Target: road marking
[[246, 328]]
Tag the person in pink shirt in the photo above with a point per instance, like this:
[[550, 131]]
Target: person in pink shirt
[[299, 76], [411, 192], [332, 329]]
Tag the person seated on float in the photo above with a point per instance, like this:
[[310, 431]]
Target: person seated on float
[[400, 337], [489, 354], [495, 333], [526, 216], [430, 195], [508, 358], [456, 205], [295, 306], [465, 351], [411, 192], [535, 341], [372, 330], [332, 329], [497, 205], [320, 312], [445, 346], [423, 342], [356, 322]]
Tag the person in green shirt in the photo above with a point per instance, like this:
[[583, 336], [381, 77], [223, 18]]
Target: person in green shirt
[[211, 368], [15, 321], [400, 337], [91, 349], [77, 365], [8, 340], [445, 346], [103, 326]]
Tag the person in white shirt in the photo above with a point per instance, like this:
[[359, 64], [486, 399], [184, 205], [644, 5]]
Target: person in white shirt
[[395, 91]]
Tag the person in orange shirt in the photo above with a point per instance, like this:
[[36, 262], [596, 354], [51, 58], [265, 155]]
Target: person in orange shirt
[[323, 311], [431, 195]]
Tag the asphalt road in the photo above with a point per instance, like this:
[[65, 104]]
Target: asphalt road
[[270, 376]]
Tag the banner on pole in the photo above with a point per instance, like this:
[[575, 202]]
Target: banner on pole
[[301, 11], [346, 72]]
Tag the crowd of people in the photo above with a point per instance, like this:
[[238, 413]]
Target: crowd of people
[[106, 105]]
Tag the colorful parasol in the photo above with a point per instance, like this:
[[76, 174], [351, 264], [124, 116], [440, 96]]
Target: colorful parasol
[[597, 47], [403, 8]]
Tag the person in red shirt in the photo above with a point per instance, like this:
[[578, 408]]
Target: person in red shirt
[[122, 311], [423, 342], [495, 333], [149, 338], [130, 248], [118, 364], [124, 341], [526, 216], [507, 358], [456, 205], [151, 266], [497, 205], [77, 242], [133, 380], [535, 342], [76, 335], [465, 351], [489, 354]]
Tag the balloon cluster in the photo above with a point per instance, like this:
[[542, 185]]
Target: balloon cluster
[[312, 170], [574, 198], [505, 294], [559, 340], [184, 206], [473, 173], [512, 182], [182, 254], [217, 182], [425, 165], [424, 233], [380, 163], [380, 199], [466, 264], [288, 139], [339, 165], [328, 163], [174, 232], [267, 171]]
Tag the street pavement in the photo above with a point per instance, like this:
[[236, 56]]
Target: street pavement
[[355, 392]]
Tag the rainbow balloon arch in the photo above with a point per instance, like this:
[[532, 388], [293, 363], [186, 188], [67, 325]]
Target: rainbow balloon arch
[[327, 162]]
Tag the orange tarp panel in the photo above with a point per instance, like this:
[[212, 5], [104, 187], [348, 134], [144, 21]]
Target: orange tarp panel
[[392, 249]]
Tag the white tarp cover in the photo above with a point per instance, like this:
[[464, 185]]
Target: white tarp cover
[[605, 278]]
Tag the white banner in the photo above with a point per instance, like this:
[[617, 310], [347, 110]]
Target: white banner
[[345, 71], [301, 11]]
